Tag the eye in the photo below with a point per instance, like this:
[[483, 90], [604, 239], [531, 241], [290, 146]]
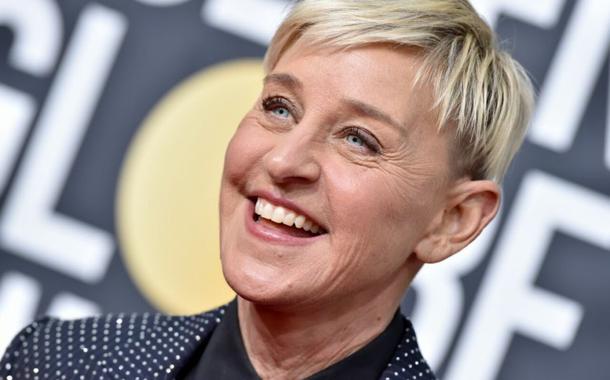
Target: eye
[[355, 139], [362, 139], [278, 106], [281, 112]]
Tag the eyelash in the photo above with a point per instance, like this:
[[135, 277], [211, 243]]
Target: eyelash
[[272, 103], [369, 140]]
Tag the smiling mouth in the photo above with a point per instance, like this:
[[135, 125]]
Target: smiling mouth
[[284, 220]]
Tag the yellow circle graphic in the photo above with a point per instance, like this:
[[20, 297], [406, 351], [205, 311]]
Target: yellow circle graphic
[[167, 200]]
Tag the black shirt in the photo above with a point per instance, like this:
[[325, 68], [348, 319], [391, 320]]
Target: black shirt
[[224, 356]]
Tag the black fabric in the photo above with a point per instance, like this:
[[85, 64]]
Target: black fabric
[[155, 346], [223, 355]]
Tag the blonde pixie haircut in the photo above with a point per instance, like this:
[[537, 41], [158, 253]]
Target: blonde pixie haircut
[[479, 89]]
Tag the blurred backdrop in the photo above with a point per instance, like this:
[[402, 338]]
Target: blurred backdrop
[[114, 115]]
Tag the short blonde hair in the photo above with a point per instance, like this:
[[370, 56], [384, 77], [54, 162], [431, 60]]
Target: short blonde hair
[[478, 88]]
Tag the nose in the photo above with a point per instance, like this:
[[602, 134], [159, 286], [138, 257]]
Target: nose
[[292, 158]]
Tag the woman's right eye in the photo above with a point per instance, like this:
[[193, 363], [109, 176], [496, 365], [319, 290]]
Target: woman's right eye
[[282, 112], [278, 107]]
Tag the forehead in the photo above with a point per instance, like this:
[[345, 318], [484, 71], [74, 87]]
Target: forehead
[[381, 75]]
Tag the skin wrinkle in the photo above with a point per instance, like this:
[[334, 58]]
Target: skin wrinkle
[[302, 309], [351, 343], [327, 135], [364, 110]]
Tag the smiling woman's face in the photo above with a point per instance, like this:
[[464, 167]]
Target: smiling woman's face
[[341, 140]]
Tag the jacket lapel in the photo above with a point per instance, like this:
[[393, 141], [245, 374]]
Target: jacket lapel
[[162, 345], [407, 363]]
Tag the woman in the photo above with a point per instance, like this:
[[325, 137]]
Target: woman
[[376, 146]]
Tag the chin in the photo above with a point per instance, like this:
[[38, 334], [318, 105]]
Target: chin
[[257, 285], [262, 285]]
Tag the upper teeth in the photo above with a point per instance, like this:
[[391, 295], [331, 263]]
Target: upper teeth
[[279, 214]]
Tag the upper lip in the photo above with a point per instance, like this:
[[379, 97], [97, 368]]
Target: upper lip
[[279, 201]]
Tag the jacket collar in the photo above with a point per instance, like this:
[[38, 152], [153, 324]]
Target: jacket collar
[[175, 340]]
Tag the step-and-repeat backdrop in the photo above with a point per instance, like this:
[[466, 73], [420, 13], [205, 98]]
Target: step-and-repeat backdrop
[[114, 115]]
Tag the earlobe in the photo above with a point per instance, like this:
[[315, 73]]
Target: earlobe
[[470, 207]]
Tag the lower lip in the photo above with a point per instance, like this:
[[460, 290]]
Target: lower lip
[[272, 235]]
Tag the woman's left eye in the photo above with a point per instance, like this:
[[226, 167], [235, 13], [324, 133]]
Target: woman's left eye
[[356, 140], [362, 139]]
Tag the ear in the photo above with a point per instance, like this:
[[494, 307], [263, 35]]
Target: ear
[[470, 206]]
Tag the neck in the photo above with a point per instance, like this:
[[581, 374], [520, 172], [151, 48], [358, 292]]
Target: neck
[[288, 344]]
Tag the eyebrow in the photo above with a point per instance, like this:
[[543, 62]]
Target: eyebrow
[[286, 80], [368, 110]]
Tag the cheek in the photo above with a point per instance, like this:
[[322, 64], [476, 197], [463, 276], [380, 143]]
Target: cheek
[[378, 210], [241, 157], [244, 150], [362, 196], [375, 230]]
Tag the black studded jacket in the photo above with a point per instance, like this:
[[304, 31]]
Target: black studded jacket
[[142, 347]]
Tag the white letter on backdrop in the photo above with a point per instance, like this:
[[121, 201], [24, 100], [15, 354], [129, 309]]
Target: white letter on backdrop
[[38, 33], [572, 76], [542, 13], [70, 306], [37, 30], [508, 301], [16, 112], [255, 20], [29, 226], [162, 3], [607, 155], [19, 296]]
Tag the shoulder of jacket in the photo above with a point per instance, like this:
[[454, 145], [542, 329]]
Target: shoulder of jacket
[[97, 345], [18, 349]]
